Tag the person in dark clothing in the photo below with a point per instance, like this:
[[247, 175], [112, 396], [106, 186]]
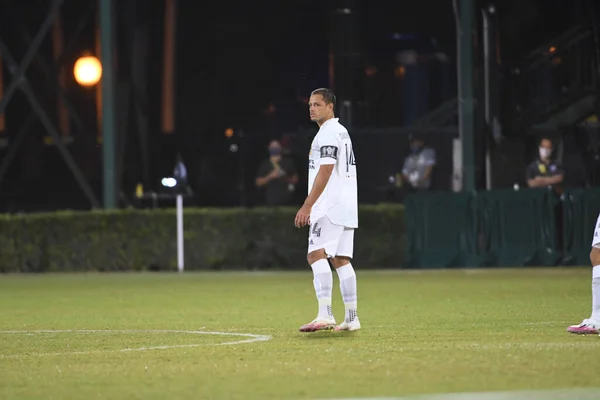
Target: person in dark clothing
[[545, 171], [278, 176]]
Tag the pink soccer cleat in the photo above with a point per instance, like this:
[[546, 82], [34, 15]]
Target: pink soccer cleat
[[587, 327], [318, 325]]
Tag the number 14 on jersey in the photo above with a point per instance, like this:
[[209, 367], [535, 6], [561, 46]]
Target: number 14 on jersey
[[350, 161]]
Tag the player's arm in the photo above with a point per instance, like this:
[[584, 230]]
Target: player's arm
[[329, 149], [321, 180], [328, 158]]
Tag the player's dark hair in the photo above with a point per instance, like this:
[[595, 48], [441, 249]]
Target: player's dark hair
[[328, 95]]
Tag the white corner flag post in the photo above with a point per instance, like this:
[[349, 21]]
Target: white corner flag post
[[179, 233]]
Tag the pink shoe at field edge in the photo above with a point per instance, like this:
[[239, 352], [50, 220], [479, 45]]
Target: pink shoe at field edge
[[318, 325], [586, 327]]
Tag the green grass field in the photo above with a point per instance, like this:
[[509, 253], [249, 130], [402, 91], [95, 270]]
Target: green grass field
[[159, 336]]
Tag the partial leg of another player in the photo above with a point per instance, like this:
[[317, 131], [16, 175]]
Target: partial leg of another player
[[591, 325], [347, 276]]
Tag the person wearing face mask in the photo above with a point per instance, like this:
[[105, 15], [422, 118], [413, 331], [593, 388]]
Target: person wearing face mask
[[544, 171], [277, 175], [418, 165]]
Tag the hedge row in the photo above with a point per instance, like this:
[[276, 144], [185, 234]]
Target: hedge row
[[123, 240]]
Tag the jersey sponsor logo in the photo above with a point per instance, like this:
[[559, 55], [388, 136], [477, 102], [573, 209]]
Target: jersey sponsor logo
[[329, 151], [311, 164]]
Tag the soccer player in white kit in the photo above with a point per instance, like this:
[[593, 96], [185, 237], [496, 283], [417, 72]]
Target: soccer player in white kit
[[331, 211], [591, 325]]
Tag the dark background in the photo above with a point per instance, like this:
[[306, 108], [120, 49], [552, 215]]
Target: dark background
[[235, 59]]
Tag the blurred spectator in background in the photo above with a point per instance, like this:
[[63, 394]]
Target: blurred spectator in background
[[278, 176], [181, 176], [419, 164], [180, 171], [544, 171]]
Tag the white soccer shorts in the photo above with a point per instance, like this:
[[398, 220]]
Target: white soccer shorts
[[596, 238], [337, 240]]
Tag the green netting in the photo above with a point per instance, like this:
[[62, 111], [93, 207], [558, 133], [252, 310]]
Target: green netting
[[440, 229], [504, 228], [518, 227], [580, 212]]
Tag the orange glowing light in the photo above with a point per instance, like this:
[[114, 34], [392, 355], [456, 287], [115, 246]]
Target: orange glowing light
[[87, 71]]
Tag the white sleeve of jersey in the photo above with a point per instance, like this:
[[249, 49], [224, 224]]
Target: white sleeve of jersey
[[329, 147]]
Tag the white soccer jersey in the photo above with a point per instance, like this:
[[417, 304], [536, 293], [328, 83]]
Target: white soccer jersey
[[339, 200]]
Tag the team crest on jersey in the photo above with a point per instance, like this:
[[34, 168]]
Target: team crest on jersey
[[542, 168], [329, 151]]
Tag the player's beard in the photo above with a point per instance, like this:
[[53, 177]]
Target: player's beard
[[318, 120]]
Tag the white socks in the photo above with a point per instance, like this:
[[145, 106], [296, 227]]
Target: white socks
[[348, 288], [596, 294], [323, 282]]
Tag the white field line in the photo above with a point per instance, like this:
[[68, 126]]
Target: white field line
[[507, 346], [252, 338], [550, 394]]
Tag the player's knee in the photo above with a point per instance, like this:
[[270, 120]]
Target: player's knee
[[595, 256], [315, 256], [340, 261]]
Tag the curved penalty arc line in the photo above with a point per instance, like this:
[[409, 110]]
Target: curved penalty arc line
[[251, 338]]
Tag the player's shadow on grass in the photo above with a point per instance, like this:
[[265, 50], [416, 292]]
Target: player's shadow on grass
[[327, 335]]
